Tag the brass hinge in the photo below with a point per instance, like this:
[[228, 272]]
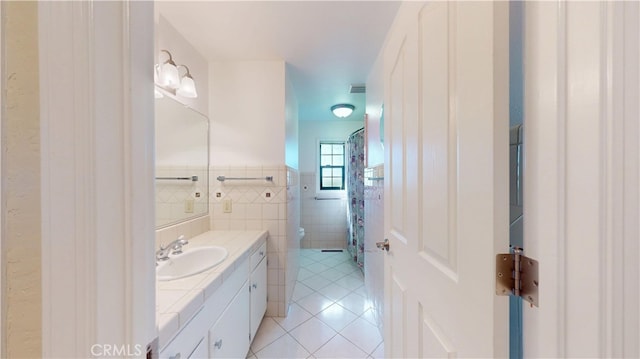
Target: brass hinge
[[517, 274]]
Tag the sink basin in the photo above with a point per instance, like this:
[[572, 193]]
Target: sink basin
[[191, 262]]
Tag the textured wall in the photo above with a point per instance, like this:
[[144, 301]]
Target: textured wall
[[21, 172]]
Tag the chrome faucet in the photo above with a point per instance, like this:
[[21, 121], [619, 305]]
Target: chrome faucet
[[174, 247]]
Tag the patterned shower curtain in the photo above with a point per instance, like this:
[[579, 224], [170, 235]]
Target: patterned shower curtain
[[355, 195]]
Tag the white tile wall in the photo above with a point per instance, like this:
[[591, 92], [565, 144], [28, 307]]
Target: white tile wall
[[374, 232], [171, 195], [259, 204], [324, 221], [292, 213]]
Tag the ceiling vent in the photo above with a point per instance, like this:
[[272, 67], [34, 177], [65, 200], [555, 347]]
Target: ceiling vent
[[358, 88]]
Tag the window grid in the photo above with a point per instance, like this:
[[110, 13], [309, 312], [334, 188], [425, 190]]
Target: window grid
[[332, 166]]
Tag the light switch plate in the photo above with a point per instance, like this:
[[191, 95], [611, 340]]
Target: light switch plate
[[227, 205], [188, 206]]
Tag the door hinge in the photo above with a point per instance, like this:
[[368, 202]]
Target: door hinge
[[517, 275]]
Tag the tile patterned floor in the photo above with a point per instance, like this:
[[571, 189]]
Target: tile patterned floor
[[330, 316]]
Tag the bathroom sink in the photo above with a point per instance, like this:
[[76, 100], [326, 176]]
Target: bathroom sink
[[191, 262]]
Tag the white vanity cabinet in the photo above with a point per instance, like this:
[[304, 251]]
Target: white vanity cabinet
[[226, 323], [200, 351], [258, 288], [229, 337]]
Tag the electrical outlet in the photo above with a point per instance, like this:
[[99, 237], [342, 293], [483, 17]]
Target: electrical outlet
[[227, 206], [188, 206]]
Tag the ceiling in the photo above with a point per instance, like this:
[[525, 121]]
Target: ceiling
[[327, 45]]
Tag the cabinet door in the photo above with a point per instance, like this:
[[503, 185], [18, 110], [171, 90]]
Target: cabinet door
[[258, 295], [229, 337], [200, 352]]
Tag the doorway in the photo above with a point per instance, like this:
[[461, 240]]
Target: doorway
[[516, 134]]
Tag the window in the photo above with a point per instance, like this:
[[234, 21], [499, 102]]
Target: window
[[331, 166]]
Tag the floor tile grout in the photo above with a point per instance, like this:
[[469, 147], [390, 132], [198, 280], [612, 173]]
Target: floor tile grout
[[340, 269]]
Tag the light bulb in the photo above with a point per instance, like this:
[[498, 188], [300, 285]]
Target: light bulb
[[187, 88], [169, 76]]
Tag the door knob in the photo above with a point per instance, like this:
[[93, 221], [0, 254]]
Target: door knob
[[218, 344], [383, 245]]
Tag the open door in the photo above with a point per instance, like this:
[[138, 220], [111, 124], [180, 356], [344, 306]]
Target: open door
[[446, 179], [582, 170]]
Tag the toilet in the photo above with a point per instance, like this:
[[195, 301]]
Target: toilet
[[301, 234]]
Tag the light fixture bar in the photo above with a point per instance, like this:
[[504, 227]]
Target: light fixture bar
[[168, 78]]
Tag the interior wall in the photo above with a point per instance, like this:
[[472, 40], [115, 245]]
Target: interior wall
[[247, 101], [22, 324], [375, 100], [291, 125], [254, 133], [168, 38]]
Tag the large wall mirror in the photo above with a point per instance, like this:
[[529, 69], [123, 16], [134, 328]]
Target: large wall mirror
[[182, 162]]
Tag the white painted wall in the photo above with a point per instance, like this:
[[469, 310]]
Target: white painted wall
[[291, 124], [375, 99], [168, 38], [247, 101]]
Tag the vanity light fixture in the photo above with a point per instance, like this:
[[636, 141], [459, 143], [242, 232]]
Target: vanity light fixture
[[342, 110], [168, 75], [187, 85]]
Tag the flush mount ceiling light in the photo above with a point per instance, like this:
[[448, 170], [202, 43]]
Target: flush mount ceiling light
[[168, 73], [342, 110], [187, 85]]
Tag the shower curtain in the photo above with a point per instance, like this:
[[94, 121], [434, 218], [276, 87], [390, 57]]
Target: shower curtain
[[355, 195]]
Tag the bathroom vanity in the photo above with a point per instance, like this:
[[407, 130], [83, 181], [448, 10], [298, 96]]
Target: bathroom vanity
[[216, 313]]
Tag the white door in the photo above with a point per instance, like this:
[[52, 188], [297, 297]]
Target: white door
[[582, 170], [446, 179]]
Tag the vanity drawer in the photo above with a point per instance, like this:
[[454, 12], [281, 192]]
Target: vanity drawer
[[258, 255]]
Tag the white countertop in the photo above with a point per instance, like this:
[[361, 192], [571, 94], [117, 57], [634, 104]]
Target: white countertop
[[178, 300]]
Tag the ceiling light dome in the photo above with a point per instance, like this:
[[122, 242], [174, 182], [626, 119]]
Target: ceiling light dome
[[342, 110]]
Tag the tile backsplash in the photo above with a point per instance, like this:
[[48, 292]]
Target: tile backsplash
[[173, 196], [259, 204], [254, 205], [324, 220], [190, 228]]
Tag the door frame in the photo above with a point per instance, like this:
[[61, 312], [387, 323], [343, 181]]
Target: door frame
[[96, 86], [582, 170]]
